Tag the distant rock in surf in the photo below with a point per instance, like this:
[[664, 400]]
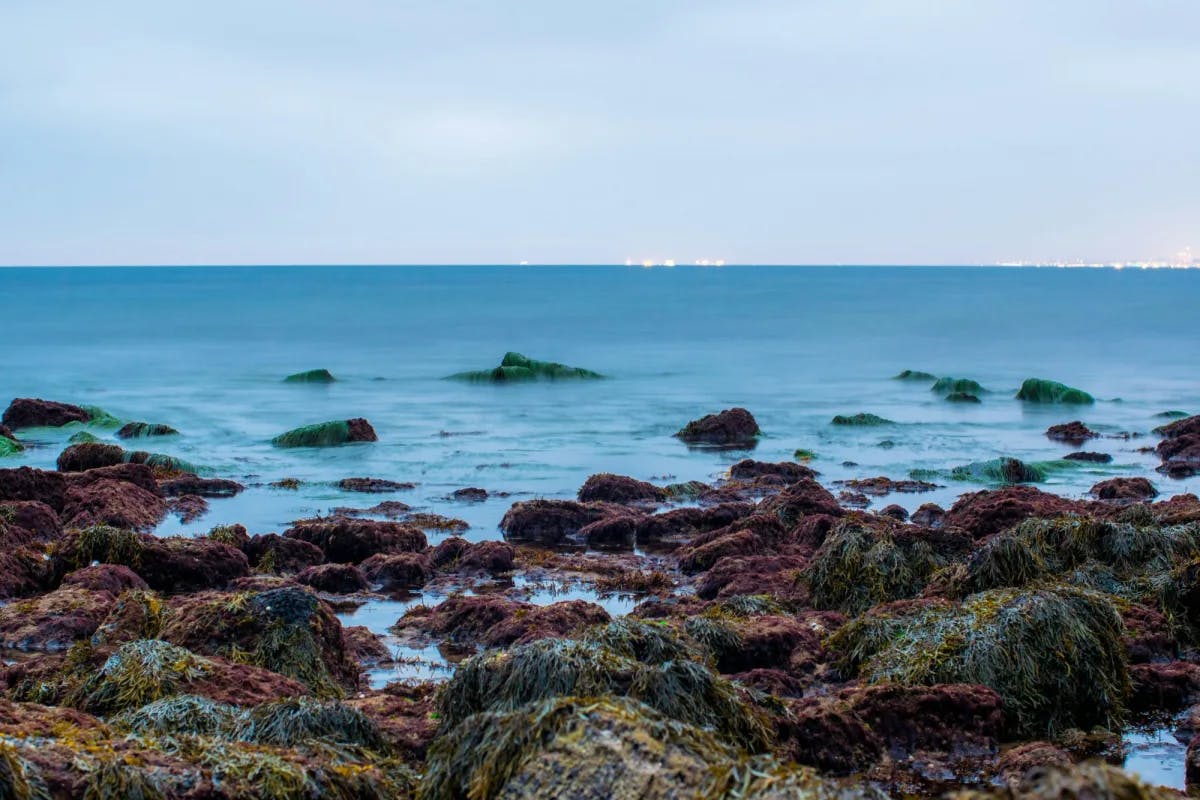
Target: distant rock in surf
[[957, 386], [311, 376], [138, 430], [1075, 433], [1039, 390], [914, 375], [328, 434], [516, 368], [733, 427], [1095, 458], [961, 397], [860, 419], [30, 412]]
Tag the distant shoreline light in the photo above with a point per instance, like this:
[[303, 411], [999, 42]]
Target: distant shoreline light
[[647, 263]]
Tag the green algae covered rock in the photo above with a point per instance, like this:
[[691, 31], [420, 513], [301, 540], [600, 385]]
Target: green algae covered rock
[[961, 397], [1055, 654], [914, 375], [328, 434], [515, 368], [1038, 390], [1001, 470], [139, 430], [9, 447], [311, 376], [957, 386], [84, 437], [101, 418], [861, 420]]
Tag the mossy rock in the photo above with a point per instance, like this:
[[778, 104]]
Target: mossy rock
[[100, 418], [311, 376], [1002, 470], [957, 386], [516, 368], [861, 420], [914, 375], [327, 434], [20, 779], [1054, 654], [10, 447], [83, 437], [961, 397], [141, 430], [1038, 390], [138, 673], [1172, 414], [804, 455]]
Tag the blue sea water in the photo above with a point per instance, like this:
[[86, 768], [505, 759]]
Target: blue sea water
[[205, 350]]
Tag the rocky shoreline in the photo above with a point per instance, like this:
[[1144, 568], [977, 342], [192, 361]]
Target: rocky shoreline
[[773, 639]]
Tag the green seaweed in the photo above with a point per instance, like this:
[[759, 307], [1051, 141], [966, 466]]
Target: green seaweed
[[311, 376], [689, 490], [961, 397], [1006, 470], [84, 437], [801, 454], [104, 544], [142, 430], [1039, 390], [322, 434], [114, 778], [858, 567], [182, 714], [957, 386], [100, 418], [1172, 414], [515, 368], [137, 673], [296, 720], [861, 419], [10, 447], [1054, 654]]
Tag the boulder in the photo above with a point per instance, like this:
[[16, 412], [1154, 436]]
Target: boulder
[[990, 511], [398, 571], [1038, 390], [139, 430], [1124, 490], [54, 621], [202, 487], [517, 368], [108, 501], [860, 420], [372, 485], [311, 376], [611, 533], [28, 412], [1073, 433], [272, 553], [25, 521], [27, 483], [748, 469], [457, 555], [801, 499], [609, 488], [549, 523], [334, 578], [1092, 458], [470, 494], [188, 507], [328, 434], [496, 621], [951, 386], [345, 540], [89, 455], [733, 427]]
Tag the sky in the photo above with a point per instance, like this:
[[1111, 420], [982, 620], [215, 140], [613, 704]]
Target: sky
[[808, 131]]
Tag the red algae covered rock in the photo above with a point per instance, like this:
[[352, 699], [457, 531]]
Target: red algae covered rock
[[611, 533], [334, 578], [111, 578], [348, 541], [609, 488], [202, 487], [24, 521], [107, 501], [1180, 447], [398, 571], [90, 455], [1073, 433], [372, 485], [799, 500], [739, 543], [825, 734], [992, 510], [1125, 490], [27, 483], [274, 554], [29, 412], [457, 555], [549, 523], [328, 434], [748, 469], [733, 427], [942, 717], [776, 576], [682, 524], [53, 621], [1168, 686], [495, 621]]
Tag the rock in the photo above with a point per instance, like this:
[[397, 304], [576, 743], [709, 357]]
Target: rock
[[459, 556], [99, 500], [202, 487], [1073, 433], [372, 485], [801, 499], [929, 515], [1038, 390], [398, 571], [139, 430], [53, 621], [549, 523], [334, 578], [1148, 635], [991, 511], [609, 488], [699, 558], [495, 621], [895, 512], [470, 494], [188, 507], [90, 455], [861, 419], [915, 375], [288, 630], [328, 434], [1094, 458], [765, 642], [958, 718], [273, 553], [748, 469], [951, 386], [110, 578], [1180, 447], [182, 564], [1166, 686], [1126, 490], [611, 533], [827, 735], [775, 576], [25, 521], [733, 427], [311, 376], [1016, 762], [516, 368], [28, 412], [681, 524], [26, 483], [961, 397], [1000, 470], [881, 486], [24, 571], [349, 541]]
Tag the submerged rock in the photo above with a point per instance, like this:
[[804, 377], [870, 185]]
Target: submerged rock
[[328, 434], [915, 375], [1129, 490], [137, 430], [748, 469], [515, 367], [373, 485], [29, 412], [202, 487], [1094, 458], [1039, 390], [733, 427], [951, 386], [861, 419], [961, 397], [1000, 470], [311, 376]]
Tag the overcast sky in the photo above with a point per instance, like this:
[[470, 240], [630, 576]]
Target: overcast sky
[[809, 131]]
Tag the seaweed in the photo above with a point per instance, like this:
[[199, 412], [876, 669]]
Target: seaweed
[[113, 778], [1091, 779], [296, 720], [1039, 390], [105, 544], [137, 673], [1003, 470], [10, 447], [140, 430], [641, 641], [516, 368], [802, 454], [100, 418], [182, 714], [83, 437], [1054, 654], [19, 779], [858, 567]]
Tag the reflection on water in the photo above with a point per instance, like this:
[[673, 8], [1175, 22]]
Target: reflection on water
[[1157, 756]]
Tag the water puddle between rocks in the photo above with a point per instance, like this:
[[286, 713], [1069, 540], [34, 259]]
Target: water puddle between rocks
[[1157, 756]]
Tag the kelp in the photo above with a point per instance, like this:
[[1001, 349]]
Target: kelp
[[19, 779], [296, 720], [104, 544], [115, 778], [948, 386], [858, 567], [311, 376], [861, 419], [515, 368], [10, 447], [1039, 390], [185, 714], [687, 690], [1054, 654], [138, 673], [642, 641]]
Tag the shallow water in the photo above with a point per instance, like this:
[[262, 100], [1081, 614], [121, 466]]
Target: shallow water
[[205, 350], [1157, 756]]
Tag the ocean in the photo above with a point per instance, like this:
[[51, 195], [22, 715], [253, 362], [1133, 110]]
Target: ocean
[[205, 351]]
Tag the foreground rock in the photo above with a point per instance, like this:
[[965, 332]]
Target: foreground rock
[[345, 540], [328, 434]]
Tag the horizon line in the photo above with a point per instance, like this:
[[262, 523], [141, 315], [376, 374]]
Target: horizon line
[[657, 266]]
